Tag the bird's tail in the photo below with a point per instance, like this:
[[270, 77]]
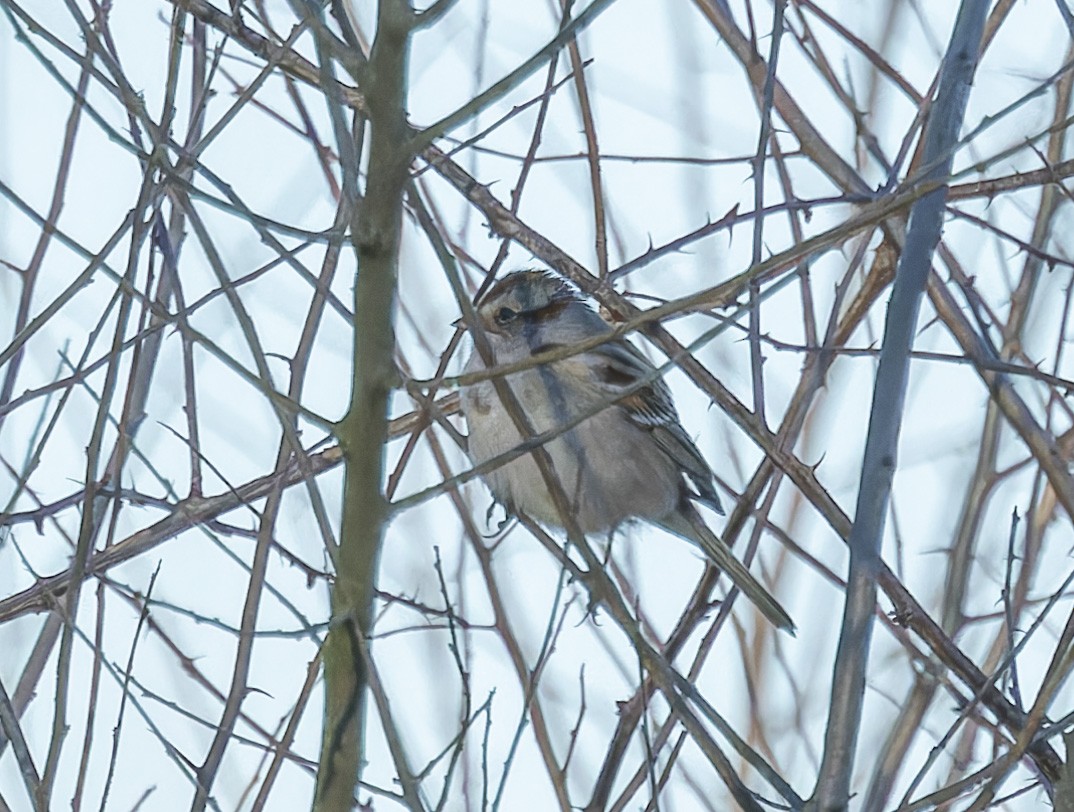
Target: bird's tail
[[688, 524]]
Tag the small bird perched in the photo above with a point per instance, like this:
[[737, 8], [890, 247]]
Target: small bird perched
[[622, 453]]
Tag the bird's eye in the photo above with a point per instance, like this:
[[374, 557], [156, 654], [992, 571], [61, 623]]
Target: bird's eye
[[505, 314]]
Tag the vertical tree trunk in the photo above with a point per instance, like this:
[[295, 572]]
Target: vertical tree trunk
[[364, 430]]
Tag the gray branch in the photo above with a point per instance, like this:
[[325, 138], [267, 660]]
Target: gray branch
[[885, 418]]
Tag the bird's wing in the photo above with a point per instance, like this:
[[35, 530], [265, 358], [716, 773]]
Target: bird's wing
[[618, 369]]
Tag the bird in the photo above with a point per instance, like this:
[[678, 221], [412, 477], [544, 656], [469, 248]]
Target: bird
[[618, 449]]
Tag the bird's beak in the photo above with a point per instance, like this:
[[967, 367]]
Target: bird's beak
[[459, 323]]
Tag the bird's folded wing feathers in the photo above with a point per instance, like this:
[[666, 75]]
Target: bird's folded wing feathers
[[620, 367]]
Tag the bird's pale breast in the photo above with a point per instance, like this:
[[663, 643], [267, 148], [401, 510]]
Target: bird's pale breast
[[608, 469]]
